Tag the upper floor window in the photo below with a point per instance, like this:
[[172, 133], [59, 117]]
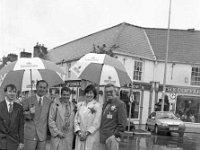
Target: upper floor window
[[195, 76], [137, 74]]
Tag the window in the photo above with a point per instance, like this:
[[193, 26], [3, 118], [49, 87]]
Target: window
[[135, 105], [124, 95], [195, 76], [137, 74], [188, 108]]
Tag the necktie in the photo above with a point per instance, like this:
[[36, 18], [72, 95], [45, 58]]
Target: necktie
[[40, 101], [39, 106], [10, 108], [67, 117], [106, 108]]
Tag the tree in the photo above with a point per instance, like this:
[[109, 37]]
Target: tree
[[104, 49]]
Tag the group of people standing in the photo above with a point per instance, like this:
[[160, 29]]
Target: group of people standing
[[96, 127]]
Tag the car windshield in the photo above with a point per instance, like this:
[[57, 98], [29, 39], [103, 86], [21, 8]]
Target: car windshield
[[166, 116]]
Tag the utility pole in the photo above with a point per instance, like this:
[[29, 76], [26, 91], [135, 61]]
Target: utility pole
[[166, 59]]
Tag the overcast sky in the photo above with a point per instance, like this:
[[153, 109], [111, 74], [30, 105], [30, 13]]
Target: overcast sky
[[55, 22]]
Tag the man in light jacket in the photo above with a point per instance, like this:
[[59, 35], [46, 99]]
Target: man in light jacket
[[36, 110]]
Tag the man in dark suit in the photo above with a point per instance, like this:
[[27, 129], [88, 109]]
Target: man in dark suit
[[113, 121], [11, 121], [36, 109]]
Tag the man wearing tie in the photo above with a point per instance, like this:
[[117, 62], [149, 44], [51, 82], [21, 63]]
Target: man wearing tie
[[113, 120], [11, 121], [36, 109]]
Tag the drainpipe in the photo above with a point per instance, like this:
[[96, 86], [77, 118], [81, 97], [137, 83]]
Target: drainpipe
[[156, 92], [151, 97], [141, 105]]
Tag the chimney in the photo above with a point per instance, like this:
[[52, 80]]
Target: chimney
[[40, 50], [191, 30], [25, 54]]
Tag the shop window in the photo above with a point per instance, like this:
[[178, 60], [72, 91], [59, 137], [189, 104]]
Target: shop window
[[137, 74], [188, 108], [124, 96], [195, 76], [158, 105]]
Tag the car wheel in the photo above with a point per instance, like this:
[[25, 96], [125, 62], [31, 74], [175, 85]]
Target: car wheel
[[181, 134], [147, 127], [156, 130]]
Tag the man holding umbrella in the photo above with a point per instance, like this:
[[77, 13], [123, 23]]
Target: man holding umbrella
[[36, 109]]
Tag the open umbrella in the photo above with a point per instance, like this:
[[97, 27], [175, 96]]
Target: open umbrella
[[101, 69], [25, 72]]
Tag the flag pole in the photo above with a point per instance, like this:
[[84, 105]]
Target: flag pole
[[166, 58]]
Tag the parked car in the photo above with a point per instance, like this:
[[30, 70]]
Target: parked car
[[164, 121]]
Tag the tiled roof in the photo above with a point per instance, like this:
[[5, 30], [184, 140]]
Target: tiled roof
[[184, 45], [129, 39], [149, 43]]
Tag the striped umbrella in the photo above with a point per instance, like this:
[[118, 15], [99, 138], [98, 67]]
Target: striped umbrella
[[101, 69], [25, 72]]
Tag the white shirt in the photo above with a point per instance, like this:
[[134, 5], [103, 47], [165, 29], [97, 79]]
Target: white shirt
[[8, 103], [38, 98]]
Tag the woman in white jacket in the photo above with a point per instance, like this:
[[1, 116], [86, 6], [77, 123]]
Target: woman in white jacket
[[87, 121]]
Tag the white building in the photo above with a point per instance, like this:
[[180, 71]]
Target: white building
[[142, 51]]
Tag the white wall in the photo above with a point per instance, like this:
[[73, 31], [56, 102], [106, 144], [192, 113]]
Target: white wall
[[148, 70], [145, 107], [128, 63], [148, 67], [72, 74], [177, 74], [65, 69]]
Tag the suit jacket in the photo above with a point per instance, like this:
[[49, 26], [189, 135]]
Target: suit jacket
[[114, 119], [35, 127], [11, 126]]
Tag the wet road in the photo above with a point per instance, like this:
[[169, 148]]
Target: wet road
[[161, 142]]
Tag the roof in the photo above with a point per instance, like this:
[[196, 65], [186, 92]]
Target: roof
[[128, 38], [148, 43], [184, 45]]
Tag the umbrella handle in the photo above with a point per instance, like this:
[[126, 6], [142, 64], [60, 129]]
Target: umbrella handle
[[130, 109], [129, 122]]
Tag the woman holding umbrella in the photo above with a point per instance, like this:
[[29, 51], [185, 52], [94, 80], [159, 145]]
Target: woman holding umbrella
[[87, 121]]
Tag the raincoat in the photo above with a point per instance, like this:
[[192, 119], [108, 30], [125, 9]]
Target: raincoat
[[56, 124], [88, 118]]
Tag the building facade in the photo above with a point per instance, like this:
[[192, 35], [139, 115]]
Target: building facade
[[142, 51]]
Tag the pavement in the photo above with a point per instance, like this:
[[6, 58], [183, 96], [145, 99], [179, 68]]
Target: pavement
[[140, 130], [192, 128]]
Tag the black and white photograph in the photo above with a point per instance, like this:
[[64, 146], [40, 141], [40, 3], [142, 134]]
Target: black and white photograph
[[99, 75]]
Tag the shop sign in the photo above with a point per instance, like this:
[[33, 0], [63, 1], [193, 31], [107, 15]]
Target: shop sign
[[181, 90], [173, 96], [135, 86], [73, 83]]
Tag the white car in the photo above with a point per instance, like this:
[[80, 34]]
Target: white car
[[164, 121]]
